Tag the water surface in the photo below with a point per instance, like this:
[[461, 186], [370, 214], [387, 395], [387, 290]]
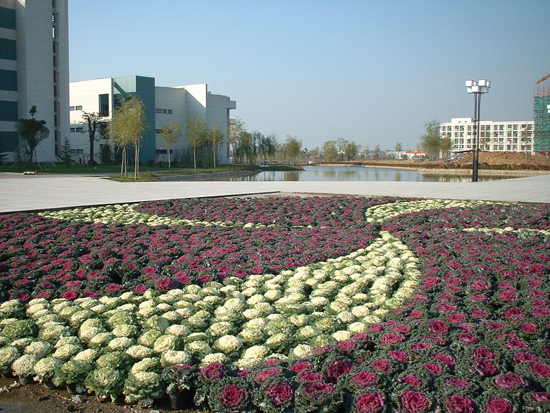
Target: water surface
[[356, 173]]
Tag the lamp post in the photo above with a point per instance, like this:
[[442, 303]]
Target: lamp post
[[477, 89]]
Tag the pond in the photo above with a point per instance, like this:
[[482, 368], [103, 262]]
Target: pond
[[357, 173]]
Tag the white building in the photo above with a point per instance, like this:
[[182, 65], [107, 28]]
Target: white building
[[494, 136], [34, 71], [162, 105]]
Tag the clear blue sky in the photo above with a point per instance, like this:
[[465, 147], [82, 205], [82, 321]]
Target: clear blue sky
[[372, 72]]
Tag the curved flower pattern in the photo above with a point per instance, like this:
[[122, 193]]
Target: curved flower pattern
[[285, 304]]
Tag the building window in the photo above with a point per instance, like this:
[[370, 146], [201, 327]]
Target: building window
[[169, 111], [488, 127], [163, 111], [501, 127], [78, 107]]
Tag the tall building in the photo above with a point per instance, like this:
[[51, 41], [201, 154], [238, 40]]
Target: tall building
[[34, 71], [162, 105], [494, 136], [542, 115]]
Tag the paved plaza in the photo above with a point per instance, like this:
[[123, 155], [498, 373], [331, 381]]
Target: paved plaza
[[38, 192]]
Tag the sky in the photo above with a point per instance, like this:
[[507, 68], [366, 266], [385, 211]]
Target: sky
[[372, 72]]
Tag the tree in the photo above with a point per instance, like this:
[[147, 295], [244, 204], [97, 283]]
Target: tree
[[31, 132], [170, 134], [268, 146], [126, 128], [293, 148], [350, 150], [196, 134], [377, 151], [525, 135], [330, 153], [234, 129], [431, 140], [216, 138], [93, 124], [106, 154], [65, 155], [446, 146], [245, 146]]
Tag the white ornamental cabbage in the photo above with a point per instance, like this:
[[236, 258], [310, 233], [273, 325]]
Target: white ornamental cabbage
[[198, 348], [256, 353], [149, 337], [120, 344], [341, 336], [139, 352], [171, 357], [44, 369], [24, 365], [88, 355], [178, 330], [66, 352], [228, 344], [39, 348], [213, 358], [167, 342], [251, 336], [302, 351]]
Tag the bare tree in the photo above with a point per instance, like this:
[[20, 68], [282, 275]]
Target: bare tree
[[170, 134], [196, 134], [216, 138], [93, 124], [126, 128]]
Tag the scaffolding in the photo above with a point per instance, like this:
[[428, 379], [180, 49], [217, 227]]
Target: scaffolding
[[541, 116]]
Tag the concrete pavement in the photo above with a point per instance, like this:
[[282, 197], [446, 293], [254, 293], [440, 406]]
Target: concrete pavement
[[38, 192]]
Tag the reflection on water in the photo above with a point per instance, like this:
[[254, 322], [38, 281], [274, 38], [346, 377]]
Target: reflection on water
[[356, 173]]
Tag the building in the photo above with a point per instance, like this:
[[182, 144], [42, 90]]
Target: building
[[494, 136], [162, 105], [34, 71], [542, 115]]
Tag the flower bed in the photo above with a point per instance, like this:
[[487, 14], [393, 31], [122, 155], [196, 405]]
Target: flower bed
[[290, 304]]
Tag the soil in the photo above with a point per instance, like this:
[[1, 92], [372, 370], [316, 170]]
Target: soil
[[487, 160], [35, 398]]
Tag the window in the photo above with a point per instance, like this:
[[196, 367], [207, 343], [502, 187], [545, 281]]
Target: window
[[515, 126], [169, 111], [469, 127], [163, 111], [104, 104], [500, 147], [78, 107], [509, 126], [501, 127], [488, 127], [461, 134], [71, 108]]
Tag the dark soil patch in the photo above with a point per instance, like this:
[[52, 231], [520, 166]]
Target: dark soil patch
[[35, 398]]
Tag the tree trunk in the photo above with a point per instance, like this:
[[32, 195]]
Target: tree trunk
[[169, 156], [214, 152], [195, 157]]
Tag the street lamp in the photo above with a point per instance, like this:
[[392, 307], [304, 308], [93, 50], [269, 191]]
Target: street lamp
[[477, 89]]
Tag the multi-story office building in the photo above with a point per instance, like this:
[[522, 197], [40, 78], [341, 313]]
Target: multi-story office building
[[162, 105], [494, 136], [34, 71]]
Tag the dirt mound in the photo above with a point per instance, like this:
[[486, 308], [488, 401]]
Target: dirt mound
[[507, 159]]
